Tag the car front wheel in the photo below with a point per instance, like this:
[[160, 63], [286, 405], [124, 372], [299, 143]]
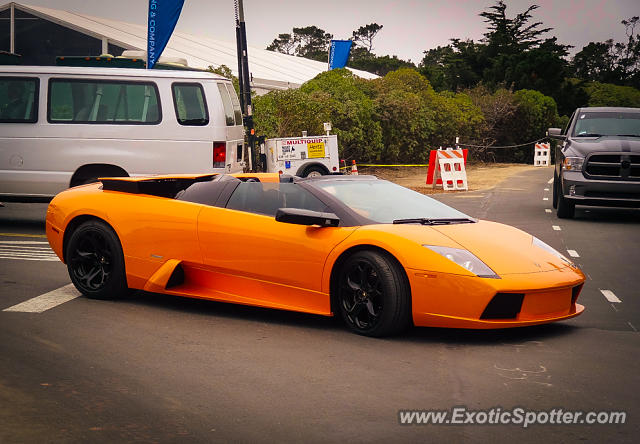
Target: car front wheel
[[95, 261], [373, 294]]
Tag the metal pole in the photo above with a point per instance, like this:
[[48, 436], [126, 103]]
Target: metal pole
[[243, 78], [12, 32]]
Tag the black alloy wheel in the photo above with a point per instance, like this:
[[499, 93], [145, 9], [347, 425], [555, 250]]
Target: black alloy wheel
[[373, 294], [95, 261]]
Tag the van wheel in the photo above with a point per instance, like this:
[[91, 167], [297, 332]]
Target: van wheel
[[314, 171]]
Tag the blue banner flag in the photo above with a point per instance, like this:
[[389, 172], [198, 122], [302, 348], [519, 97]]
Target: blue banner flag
[[339, 53], [163, 16]]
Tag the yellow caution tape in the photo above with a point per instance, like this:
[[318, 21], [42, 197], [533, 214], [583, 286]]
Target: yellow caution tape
[[380, 165]]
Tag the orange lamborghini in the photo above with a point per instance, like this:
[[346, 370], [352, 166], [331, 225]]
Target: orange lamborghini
[[379, 255]]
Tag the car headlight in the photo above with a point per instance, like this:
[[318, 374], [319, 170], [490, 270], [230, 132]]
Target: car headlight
[[538, 243], [465, 259], [573, 163]]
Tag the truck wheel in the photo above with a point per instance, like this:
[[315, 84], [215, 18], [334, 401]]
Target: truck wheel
[[555, 190], [566, 209], [314, 171]]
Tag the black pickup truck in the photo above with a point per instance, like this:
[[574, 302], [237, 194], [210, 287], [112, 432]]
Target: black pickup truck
[[598, 162]]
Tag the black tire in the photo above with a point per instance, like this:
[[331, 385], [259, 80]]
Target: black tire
[[95, 261], [373, 294], [555, 190], [566, 209], [314, 171]]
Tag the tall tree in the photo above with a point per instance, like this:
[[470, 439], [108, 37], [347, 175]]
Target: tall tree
[[611, 62], [284, 43], [509, 35], [364, 35], [313, 42], [310, 42]]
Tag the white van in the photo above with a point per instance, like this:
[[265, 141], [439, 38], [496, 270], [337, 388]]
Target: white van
[[65, 126]]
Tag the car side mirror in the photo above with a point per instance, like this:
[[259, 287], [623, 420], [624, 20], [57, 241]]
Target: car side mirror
[[299, 216], [556, 133]]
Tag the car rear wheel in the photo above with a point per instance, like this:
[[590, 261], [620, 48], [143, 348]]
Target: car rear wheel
[[566, 209], [95, 261], [373, 294]]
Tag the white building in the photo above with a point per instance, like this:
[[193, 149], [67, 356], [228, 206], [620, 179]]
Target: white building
[[40, 34]]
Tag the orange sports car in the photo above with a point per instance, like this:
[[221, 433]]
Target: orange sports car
[[379, 255]]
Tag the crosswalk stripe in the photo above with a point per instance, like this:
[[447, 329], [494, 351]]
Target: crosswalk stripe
[[27, 251], [48, 259], [46, 301], [25, 242]]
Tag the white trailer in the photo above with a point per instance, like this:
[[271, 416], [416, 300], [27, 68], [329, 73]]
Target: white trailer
[[303, 156]]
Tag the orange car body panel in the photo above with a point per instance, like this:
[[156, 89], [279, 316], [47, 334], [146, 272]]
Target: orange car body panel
[[246, 258]]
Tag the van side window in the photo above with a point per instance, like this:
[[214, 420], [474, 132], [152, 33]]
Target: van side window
[[18, 100], [228, 106], [266, 198], [190, 104], [98, 101], [237, 111]]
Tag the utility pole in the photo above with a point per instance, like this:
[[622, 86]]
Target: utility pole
[[244, 83]]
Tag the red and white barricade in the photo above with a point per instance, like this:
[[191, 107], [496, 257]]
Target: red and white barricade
[[448, 168], [542, 154]]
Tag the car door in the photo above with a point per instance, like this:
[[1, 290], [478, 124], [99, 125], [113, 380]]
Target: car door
[[263, 261]]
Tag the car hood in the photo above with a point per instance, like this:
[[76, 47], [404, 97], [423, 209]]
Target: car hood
[[505, 249], [585, 145]]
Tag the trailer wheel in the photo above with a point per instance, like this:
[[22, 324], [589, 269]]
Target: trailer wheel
[[314, 171]]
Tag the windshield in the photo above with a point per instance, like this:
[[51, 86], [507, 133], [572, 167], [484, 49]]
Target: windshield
[[384, 202], [596, 124]]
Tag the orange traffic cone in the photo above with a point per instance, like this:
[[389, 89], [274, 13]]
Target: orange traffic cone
[[354, 168]]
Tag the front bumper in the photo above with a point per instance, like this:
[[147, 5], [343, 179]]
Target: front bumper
[[454, 301], [605, 193]]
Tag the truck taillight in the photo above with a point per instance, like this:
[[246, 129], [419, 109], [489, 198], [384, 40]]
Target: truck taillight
[[219, 154]]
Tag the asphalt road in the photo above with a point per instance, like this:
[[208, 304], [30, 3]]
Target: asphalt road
[[153, 368]]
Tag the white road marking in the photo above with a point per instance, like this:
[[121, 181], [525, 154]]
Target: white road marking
[[550, 180], [547, 210], [632, 327], [25, 242], [610, 295], [556, 227], [47, 301], [27, 251], [573, 253], [546, 189], [545, 198]]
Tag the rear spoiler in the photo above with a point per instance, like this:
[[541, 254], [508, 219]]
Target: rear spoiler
[[161, 186]]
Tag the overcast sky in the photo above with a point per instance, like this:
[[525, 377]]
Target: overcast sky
[[410, 26]]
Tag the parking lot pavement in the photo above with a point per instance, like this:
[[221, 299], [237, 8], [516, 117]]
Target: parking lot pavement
[[165, 369]]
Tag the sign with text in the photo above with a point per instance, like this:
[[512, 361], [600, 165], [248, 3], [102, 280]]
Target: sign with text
[[163, 16]]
